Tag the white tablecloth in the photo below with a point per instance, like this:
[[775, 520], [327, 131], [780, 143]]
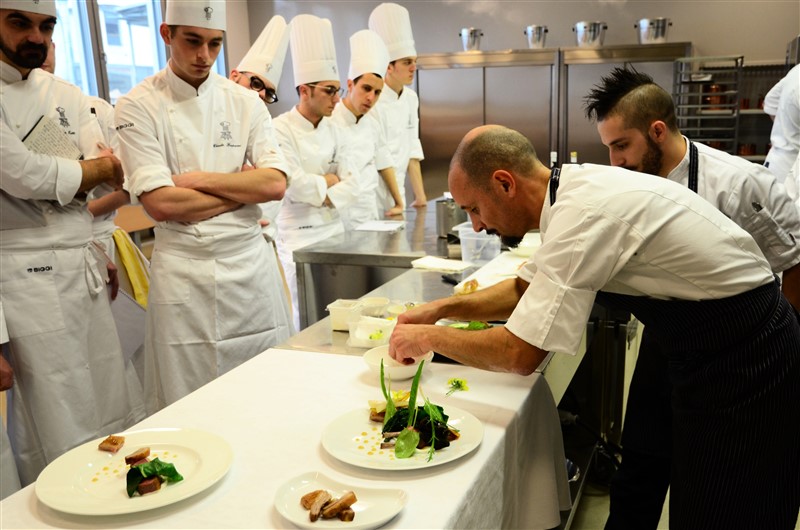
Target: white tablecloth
[[273, 409]]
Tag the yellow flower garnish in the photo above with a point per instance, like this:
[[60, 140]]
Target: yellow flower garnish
[[456, 384]]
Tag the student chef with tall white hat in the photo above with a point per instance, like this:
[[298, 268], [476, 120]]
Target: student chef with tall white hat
[[365, 137], [323, 181], [70, 382], [398, 106], [185, 134], [261, 68]]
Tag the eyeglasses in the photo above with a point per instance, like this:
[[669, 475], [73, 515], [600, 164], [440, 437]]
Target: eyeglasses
[[258, 85], [329, 89]]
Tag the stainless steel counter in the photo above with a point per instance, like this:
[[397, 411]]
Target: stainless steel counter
[[423, 286], [352, 264]]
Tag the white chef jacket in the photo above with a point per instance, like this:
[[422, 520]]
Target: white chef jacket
[[311, 152], [793, 183], [398, 114], [103, 226], [369, 153], [71, 382], [637, 235], [750, 196], [216, 297], [785, 135]]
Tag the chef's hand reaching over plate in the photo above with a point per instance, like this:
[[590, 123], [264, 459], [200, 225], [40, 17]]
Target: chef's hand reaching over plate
[[409, 341]]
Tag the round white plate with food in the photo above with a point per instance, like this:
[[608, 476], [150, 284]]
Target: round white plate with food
[[354, 439], [88, 481], [374, 507]]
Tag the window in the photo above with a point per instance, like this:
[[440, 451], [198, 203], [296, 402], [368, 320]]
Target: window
[[127, 49]]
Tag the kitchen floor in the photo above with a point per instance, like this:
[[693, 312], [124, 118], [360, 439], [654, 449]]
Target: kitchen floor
[[593, 510]]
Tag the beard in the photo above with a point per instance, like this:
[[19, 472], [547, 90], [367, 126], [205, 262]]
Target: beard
[[508, 241], [651, 161], [27, 55]]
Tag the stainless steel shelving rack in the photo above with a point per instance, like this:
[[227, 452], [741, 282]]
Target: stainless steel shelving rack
[[706, 94]]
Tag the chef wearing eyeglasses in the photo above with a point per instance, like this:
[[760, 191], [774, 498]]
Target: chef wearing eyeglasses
[[261, 68], [322, 180]]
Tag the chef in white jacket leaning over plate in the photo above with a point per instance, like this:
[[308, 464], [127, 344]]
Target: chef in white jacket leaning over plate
[[185, 134], [398, 107], [365, 138], [70, 381], [323, 181]]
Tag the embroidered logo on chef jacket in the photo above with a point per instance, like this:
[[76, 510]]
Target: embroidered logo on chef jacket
[[208, 11], [46, 268], [62, 117], [268, 67], [226, 133], [225, 136]]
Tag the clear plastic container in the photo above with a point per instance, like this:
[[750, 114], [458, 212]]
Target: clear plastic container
[[477, 247]]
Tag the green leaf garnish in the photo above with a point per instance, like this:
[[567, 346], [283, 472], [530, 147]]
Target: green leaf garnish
[[390, 408], [406, 444], [137, 473]]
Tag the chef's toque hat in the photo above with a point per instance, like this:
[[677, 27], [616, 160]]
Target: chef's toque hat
[[368, 54], [392, 23], [40, 7], [266, 56], [313, 50], [208, 14]]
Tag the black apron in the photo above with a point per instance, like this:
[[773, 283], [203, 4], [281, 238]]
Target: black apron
[[734, 368]]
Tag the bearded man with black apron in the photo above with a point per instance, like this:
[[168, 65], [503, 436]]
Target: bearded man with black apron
[[216, 292], [696, 280], [636, 121], [71, 383]]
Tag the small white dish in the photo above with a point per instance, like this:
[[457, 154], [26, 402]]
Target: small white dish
[[368, 332], [394, 370], [374, 507]]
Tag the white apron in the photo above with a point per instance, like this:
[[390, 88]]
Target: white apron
[[71, 383], [216, 295], [209, 311]]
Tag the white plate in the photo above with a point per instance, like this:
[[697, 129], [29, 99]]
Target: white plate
[[354, 439], [88, 481], [373, 508]]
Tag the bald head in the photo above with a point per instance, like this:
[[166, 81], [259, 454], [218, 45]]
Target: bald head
[[485, 149]]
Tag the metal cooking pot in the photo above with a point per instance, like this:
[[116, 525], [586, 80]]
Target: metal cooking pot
[[590, 34], [471, 38], [536, 36], [653, 30], [448, 215]]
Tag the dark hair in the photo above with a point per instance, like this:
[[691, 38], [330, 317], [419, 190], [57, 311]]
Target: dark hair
[[495, 148], [634, 97], [355, 81]]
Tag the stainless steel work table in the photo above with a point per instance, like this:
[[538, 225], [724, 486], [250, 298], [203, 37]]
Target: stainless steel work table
[[422, 286], [351, 264]]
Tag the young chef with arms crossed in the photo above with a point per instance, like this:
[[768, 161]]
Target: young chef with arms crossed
[[215, 294], [398, 108], [70, 380], [636, 121], [364, 135], [323, 180], [730, 336]]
